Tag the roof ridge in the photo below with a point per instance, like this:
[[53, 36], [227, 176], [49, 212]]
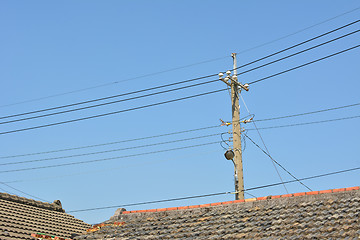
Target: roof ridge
[[245, 200], [31, 202]]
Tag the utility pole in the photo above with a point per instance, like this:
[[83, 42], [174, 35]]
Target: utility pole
[[236, 157]]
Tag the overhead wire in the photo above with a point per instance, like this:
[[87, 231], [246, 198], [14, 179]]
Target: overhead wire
[[111, 113], [303, 65], [299, 31], [112, 143], [310, 123], [111, 150], [299, 44], [213, 194], [293, 125], [143, 162], [118, 95], [300, 52], [267, 154], [107, 159], [108, 103], [185, 66], [308, 113], [181, 82], [247, 109], [193, 130], [18, 190]]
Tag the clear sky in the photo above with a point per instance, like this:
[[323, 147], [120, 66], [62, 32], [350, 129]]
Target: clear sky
[[49, 49]]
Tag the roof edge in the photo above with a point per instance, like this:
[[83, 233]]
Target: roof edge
[[31, 202], [245, 200]]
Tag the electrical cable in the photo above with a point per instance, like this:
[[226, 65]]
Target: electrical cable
[[111, 113], [310, 123], [111, 150], [193, 130], [298, 44], [108, 103], [107, 159], [277, 162], [126, 165], [214, 194], [190, 80], [23, 192], [189, 65], [307, 113], [116, 96], [111, 143], [299, 31], [297, 53], [303, 65], [161, 92], [267, 150], [3, 190]]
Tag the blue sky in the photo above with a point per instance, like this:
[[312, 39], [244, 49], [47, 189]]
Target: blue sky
[[51, 48]]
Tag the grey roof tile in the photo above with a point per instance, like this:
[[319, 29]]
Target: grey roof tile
[[323, 216], [20, 217]]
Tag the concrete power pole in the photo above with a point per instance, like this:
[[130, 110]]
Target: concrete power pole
[[235, 86], [239, 176]]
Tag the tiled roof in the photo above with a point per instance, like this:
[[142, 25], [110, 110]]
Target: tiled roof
[[330, 214], [20, 217]]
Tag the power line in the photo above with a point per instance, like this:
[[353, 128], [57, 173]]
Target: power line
[[111, 150], [116, 96], [303, 65], [267, 150], [194, 130], [120, 167], [299, 31], [185, 66], [111, 113], [309, 123], [111, 143], [267, 154], [213, 194], [176, 83], [297, 53], [108, 103], [307, 113], [23, 192], [108, 159], [298, 44]]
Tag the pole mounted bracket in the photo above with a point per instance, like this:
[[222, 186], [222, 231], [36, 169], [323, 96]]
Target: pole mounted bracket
[[228, 80], [243, 86]]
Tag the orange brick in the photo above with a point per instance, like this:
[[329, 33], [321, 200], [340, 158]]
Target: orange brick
[[194, 206], [161, 209], [172, 208], [228, 202], [274, 197], [150, 210], [140, 211], [286, 195], [325, 191], [215, 204], [312, 193], [299, 194], [239, 201], [185, 207], [205, 205], [250, 199], [352, 188], [125, 212], [339, 190], [261, 198]]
